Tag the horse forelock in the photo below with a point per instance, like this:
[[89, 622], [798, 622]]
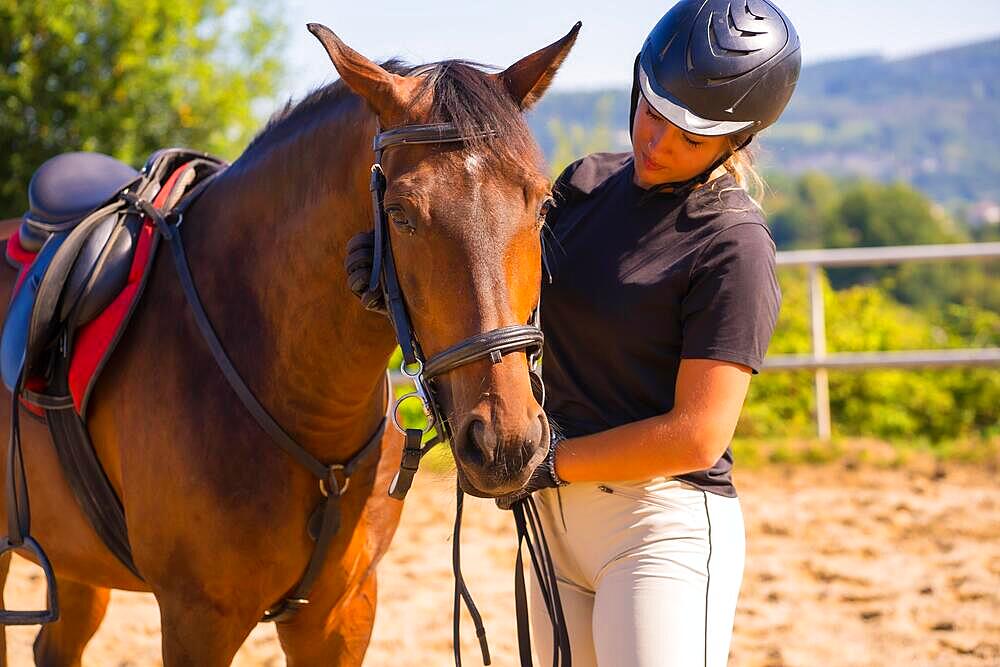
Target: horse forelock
[[464, 94]]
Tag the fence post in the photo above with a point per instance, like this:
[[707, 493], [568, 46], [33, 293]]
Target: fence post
[[818, 320]]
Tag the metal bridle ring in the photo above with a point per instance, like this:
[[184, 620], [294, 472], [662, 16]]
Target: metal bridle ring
[[324, 486], [415, 374], [423, 405]]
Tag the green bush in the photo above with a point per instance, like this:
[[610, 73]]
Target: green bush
[[931, 405]]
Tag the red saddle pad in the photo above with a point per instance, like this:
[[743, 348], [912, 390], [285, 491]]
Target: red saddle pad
[[95, 341]]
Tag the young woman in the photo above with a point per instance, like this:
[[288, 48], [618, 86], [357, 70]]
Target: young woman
[[663, 302]]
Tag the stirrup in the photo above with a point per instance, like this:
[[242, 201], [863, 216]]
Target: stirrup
[[51, 613]]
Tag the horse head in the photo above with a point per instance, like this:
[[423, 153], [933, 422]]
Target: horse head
[[463, 220]]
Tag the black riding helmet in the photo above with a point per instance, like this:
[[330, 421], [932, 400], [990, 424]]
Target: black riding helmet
[[718, 67]]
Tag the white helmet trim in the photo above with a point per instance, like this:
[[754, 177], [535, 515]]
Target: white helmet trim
[[683, 118]]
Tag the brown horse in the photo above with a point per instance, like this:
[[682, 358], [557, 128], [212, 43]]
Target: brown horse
[[7, 227], [216, 513]]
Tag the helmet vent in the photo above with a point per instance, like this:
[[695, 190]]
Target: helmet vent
[[745, 27], [733, 38], [663, 51], [760, 17]]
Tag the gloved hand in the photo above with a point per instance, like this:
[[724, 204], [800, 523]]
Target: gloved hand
[[543, 477], [358, 263]]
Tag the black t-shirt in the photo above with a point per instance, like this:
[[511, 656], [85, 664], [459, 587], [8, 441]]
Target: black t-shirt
[[640, 283]]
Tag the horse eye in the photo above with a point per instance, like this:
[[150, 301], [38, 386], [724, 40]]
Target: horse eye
[[547, 205], [397, 216]]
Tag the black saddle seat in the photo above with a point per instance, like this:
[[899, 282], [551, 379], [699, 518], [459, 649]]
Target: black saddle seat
[[68, 186]]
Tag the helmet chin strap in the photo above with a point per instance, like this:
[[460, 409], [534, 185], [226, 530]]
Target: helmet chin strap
[[635, 95]]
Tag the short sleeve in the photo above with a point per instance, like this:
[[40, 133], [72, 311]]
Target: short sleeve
[[580, 179], [732, 302], [563, 193]]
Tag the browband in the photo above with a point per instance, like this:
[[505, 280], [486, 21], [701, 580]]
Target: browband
[[433, 133]]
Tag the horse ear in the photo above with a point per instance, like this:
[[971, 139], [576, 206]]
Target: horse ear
[[529, 78], [383, 90]]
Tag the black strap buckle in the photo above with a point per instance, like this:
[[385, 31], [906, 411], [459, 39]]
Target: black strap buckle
[[163, 221], [412, 453]]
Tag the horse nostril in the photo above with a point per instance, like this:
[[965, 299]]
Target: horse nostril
[[537, 432], [479, 443]]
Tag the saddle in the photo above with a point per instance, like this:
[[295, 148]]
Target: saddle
[[83, 251], [75, 249]]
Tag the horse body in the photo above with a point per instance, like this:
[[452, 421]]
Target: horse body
[[314, 357], [217, 514]]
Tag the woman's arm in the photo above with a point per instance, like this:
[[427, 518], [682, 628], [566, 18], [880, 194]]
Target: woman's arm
[[709, 395]]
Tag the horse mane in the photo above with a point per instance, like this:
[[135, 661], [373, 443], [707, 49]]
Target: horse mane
[[463, 93]]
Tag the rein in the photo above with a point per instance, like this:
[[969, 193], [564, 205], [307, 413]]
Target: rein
[[328, 510]]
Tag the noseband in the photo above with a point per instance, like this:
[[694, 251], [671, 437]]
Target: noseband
[[493, 344]]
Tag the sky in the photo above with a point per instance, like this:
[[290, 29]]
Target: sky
[[499, 33]]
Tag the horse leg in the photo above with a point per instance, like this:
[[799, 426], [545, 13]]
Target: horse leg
[[332, 638], [81, 610], [200, 632]]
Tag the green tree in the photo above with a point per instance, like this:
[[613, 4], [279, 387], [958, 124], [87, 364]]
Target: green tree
[[816, 211], [573, 142], [930, 405], [896, 214], [126, 77], [801, 211]]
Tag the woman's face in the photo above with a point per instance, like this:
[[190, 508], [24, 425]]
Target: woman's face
[[666, 154]]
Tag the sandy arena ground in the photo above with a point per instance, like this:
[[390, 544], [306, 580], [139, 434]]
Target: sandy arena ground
[[844, 567]]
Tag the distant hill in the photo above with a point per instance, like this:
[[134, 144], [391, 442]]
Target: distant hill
[[932, 120]]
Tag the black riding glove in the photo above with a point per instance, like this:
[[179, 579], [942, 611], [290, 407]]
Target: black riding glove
[[358, 262], [543, 477]]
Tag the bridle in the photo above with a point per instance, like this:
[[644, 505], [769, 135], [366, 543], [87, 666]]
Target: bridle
[[493, 344], [326, 518]]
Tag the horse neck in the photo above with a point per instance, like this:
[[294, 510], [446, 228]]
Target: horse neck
[[266, 245]]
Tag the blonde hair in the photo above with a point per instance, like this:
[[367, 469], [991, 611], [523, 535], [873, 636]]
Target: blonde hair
[[741, 165]]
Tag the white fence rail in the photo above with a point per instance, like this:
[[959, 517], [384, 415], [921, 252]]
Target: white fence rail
[[820, 361]]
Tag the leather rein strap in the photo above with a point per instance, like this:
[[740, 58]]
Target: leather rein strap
[[330, 486]]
